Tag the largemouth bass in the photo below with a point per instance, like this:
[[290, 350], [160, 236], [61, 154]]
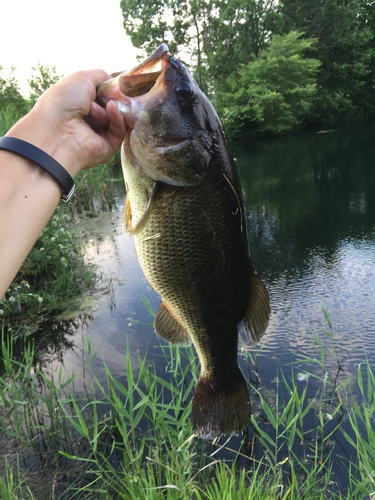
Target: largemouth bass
[[185, 208]]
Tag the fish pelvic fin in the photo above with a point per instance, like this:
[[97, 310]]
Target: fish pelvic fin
[[258, 313], [220, 409], [168, 328]]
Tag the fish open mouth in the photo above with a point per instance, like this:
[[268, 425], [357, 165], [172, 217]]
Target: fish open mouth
[[161, 140], [125, 87]]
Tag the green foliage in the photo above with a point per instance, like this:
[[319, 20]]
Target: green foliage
[[11, 486], [146, 22], [8, 117], [275, 90], [345, 46], [216, 35], [53, 271], [42, 78], [362, 420], [11, 100], [220, 37], [95, 181], [132, 438], [233, 32]]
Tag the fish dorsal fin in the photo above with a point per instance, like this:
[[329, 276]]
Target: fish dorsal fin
[[168, 328], [128, 215], [258, 313]]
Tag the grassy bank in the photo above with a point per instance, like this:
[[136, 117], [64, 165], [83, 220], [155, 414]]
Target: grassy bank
[[54, 271], [132, 438]]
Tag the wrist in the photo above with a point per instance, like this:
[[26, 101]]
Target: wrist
[[43, 160], [45, 136]]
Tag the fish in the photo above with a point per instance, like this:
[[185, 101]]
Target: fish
[[184, 206]]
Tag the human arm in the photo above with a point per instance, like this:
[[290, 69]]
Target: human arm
[[59, 126]]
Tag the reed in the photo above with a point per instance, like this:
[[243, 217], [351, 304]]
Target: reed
[[132, 438]]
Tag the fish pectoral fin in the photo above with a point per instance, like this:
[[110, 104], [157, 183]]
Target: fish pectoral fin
[[128, 215], [168, 328], [258, 313], [141, 223]]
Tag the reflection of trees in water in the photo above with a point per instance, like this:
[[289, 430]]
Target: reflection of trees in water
[[308, 193], [53, 338], [105, 202]]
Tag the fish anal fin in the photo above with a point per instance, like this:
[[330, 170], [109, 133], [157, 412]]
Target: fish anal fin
[[168, 328], [128, 226], [221, 409], [255, 321]]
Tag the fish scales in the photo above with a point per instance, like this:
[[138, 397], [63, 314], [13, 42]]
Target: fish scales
[[185, 208], [189, 267]]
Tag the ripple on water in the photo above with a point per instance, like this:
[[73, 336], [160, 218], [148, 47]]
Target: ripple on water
[[344, 285]]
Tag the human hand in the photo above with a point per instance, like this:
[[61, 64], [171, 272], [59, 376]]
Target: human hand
[[69, 125]]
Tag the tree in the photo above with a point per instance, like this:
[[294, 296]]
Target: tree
[[233, 31], [42, 78], [275, 90], [345, 47], [147, 23], [216, 35], [11, 100], [220, 36]]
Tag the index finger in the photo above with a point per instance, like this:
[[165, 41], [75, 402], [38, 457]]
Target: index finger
[[98, 76]]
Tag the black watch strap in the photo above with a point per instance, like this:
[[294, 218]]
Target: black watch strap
[[45, 161]]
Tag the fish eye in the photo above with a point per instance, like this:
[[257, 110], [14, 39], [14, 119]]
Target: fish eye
[[184, 91]]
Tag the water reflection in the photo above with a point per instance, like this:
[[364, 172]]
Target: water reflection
[[311, 217]]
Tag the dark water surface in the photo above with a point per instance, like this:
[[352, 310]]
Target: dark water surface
[[311, 217], [310, 206]]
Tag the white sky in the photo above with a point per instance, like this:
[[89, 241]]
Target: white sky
[[69, 34]]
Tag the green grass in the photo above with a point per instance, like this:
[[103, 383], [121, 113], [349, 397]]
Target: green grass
[[132, 438], [53, 272]]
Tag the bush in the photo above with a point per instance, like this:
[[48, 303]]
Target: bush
[[275, 90], [53, 271]]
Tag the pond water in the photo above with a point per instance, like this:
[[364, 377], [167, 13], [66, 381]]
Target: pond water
[[310, 207]]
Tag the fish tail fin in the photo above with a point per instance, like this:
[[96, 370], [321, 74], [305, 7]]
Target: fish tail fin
[[221, 409]]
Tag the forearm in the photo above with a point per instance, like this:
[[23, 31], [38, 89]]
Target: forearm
[[28, 198], [28, 195], [69, 126]]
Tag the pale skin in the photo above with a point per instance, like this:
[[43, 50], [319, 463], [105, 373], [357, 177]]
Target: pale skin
[[67, 124]]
